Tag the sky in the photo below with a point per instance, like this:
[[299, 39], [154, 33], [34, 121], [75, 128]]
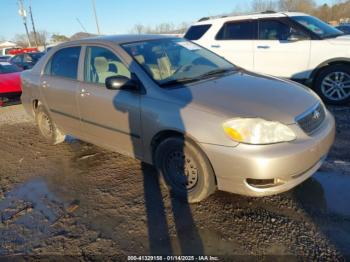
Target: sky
[[115, 16]]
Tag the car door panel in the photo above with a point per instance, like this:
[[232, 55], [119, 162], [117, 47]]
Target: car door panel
[[110, 118], [59, 89], [60, 98]]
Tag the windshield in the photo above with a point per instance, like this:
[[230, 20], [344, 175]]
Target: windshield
[[317, 26], [6, 68], [171, 61]]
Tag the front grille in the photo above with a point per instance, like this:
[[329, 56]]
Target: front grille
[[311, 119]]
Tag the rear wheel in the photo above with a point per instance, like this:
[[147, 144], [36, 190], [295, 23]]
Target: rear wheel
[[333, 84], [185, 170], [47, 127]]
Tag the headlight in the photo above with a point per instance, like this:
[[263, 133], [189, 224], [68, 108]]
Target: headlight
[[257, 131]]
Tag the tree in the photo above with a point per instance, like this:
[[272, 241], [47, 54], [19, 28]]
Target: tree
[[163, 28], [264, 5], [307, 6], [138, 29], [57, 38], [22, 40]]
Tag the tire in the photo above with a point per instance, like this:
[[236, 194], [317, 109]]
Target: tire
[[47, 127], [198, 184], [330, 84]]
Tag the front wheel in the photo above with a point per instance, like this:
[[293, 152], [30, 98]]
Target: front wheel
[[333, 84], [47, 127], [185, 170]]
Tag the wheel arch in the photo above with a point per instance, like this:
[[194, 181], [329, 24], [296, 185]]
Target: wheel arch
[[325, 64], [164, 134], [35, 104]]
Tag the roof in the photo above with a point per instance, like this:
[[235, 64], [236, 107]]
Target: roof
[[121, 39], [250, 16], [8, 44]]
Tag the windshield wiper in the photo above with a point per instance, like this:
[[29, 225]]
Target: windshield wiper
[[215, 72], [179, 81], [194, 79]]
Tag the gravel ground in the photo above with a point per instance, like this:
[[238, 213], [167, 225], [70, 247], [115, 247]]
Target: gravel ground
[[79, 200]]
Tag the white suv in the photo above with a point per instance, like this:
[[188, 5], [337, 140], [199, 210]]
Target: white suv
[[289, 45]]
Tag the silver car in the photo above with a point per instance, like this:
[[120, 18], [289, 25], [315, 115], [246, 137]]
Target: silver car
[[203, 122]]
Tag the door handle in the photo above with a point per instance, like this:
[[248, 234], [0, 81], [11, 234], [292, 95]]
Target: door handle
[[215, 46], [263, 46], [44, 84], [83, 93]]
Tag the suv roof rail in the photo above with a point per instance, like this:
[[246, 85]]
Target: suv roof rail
[[268, 12], [224, 16], [203, 19], [211, 17]]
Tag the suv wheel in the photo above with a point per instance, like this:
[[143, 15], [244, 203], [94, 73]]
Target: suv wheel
[[47, 127], [333, 84], [185, 170]]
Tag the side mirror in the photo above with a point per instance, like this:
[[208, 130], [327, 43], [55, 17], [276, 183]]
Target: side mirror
[[121, 83]]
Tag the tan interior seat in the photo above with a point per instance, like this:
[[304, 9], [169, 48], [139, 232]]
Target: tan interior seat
[[121, 69], [164, 66], [160, 70], [102, 69]]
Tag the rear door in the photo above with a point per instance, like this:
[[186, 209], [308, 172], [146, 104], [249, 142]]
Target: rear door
[[110, 118], [59, 85], [277, 55], [235, 41]]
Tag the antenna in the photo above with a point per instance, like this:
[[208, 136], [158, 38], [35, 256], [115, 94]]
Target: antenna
[[34, 31], [94, 7], [81, 25], [22, 13]]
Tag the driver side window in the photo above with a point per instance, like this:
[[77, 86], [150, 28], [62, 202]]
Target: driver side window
[[101, 63], [275, 30]]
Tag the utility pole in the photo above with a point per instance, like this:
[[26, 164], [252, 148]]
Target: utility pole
[[22, 12], [34, 31], [94, 7], [81, 25]]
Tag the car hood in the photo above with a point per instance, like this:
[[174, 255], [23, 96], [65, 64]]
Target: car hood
[[10, 82], [340, 40], [245, 94]]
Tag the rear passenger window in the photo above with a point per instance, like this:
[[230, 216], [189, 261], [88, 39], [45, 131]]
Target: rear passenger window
[[197, 31], [64, 63], [244, 30]]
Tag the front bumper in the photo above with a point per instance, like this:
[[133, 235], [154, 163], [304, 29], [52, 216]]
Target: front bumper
[[289, 164]]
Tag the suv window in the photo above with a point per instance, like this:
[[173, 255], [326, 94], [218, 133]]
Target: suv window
[[101, 63], [274, 30], [244, 30], [197, 31], [64, 63]]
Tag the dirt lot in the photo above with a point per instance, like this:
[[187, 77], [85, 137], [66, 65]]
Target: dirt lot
[[80, 200]]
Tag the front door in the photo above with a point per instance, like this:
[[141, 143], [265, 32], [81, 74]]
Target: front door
[[110, 118], [275, 54], [59, 87]]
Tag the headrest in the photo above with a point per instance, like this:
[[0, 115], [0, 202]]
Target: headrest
[[101, 64]]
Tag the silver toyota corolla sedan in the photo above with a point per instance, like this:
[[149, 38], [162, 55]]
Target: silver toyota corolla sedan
[[203, 122]]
